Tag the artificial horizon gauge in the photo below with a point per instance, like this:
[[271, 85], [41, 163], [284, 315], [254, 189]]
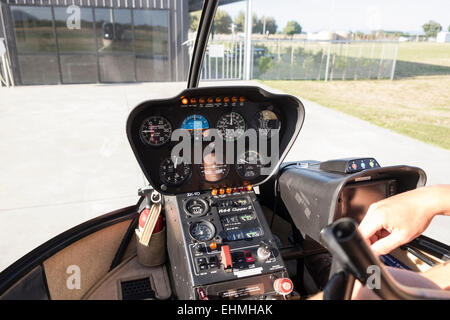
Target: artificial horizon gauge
[[195, 122], [267, 123], [249, 165], [202, 230], [174, 171], [231, 126], [155, 131]]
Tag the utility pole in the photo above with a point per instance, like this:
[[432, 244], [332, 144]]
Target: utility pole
[[248, 40]]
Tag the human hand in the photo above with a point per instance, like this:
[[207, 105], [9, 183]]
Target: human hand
[[397, 220]]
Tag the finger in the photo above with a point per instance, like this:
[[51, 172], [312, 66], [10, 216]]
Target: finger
[[370, 225], [389, 243]]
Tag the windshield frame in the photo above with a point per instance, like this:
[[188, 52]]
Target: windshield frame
[[201, 41]]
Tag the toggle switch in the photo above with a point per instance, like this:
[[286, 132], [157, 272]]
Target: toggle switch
[[264, 251], [225, 256]]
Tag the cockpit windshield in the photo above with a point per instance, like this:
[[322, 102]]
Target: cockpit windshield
[[374, 79]]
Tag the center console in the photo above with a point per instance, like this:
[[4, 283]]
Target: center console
[[221, 247]]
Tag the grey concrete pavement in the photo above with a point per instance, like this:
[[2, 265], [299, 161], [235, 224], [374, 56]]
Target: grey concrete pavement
[[64, 156]]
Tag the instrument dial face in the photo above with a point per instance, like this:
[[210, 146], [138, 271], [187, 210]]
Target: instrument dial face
[[268, 122], [174, 171], [202, 230], [231, 126], [212, 171], [195, 122], [196, 207], [249, 165], [155, 131], [215, 172]]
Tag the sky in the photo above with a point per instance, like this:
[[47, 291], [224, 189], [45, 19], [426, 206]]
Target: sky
[[351, 15]]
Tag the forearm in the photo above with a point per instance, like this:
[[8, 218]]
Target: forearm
[[441, 199]]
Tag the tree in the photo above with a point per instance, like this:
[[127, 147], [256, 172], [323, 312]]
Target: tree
[[222, 22], [431, 28], [194, 19], [257, 24], [292, 27], [271, 24], [239, 22]]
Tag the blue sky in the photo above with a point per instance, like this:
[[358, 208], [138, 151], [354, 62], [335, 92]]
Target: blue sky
[[364, 15]]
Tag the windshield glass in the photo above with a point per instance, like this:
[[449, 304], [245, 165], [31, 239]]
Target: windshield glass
[[71, 72], [374, 76]]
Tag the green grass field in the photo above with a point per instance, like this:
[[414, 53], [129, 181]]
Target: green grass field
[[425, 52], [416, 105]]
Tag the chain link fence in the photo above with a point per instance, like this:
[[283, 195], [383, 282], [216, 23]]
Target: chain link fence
[[302, 60]]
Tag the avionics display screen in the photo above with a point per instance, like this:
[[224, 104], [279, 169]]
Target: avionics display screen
[[356, 198]]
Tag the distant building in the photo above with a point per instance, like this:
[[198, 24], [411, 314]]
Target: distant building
[[443, 37], [97, 41], [328, 35]]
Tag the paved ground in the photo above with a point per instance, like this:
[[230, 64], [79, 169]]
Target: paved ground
[[65, 158]]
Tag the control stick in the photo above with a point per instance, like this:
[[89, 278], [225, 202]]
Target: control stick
[[353, 255]]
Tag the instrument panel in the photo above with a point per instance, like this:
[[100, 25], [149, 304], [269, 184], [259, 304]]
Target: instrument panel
[[216, 242], [218, 125]]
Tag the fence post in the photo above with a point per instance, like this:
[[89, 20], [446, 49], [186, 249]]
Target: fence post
[[278, 50], [292, 58], [328, 61], [234, 73], [279, 59], [209, 67], [380, 65], [240, 62], [394, 61]]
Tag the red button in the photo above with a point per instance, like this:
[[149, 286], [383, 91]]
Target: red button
[[283, 286], [249, 257]]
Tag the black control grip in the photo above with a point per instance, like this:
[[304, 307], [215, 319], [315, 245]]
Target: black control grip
[[353, 254]]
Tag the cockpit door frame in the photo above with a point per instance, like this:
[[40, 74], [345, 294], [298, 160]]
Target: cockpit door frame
[[201, 41]]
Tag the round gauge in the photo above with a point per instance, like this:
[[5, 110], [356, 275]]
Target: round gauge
[[195, 122], [196, 207], [212, 171], [249, 165], [155, 131], [231, 126], [174, 172], [267, 123], [202, 230]]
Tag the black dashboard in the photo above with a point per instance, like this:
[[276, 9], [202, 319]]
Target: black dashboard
[[234, 138]]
